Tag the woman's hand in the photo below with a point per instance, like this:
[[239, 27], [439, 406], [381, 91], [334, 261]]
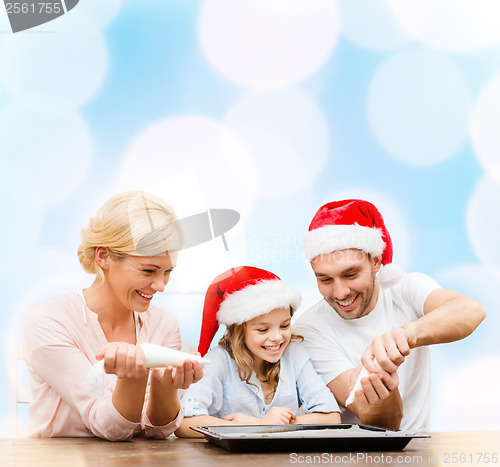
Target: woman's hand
[[163, 404], [279, 416], [180, 376], [128, 363], [123, 360]]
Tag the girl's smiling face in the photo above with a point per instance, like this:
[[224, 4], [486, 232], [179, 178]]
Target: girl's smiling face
[[267, 336]]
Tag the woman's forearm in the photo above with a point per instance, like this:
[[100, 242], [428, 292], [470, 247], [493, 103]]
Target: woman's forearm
[[163, 403], [184, 431], [128, 397]]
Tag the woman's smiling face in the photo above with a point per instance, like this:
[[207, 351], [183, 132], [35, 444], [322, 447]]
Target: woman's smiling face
[[134, 280]]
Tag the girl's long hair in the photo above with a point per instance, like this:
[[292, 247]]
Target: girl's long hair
[[233, 341]]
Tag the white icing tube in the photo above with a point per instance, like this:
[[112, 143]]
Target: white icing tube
[[364, 373], [158, 356]]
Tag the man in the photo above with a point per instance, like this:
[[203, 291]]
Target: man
[[375, 315]]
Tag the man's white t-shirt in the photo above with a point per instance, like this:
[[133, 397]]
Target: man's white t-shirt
[[336, 344]]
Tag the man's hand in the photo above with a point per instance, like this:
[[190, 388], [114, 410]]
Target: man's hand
[[389, 350], [379, 402], [376, 388]]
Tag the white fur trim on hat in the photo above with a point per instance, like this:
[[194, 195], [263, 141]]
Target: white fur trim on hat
[[256, 300], [331, 238]]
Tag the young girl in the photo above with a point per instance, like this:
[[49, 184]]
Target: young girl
[[131, 246], [260, 374]]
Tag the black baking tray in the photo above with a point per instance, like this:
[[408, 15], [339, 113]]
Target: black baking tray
[[299, 438]]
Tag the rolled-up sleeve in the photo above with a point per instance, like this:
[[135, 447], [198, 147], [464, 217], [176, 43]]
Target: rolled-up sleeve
[[61, 340], [161, 432], [63, 367]]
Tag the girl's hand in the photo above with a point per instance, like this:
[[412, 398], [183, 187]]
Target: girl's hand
[[279, 416], [242, 418], [180, 376], [123, 360]]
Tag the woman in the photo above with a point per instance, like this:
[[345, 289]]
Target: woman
[[131, 246]]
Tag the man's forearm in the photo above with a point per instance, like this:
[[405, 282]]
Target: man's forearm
[[387, 414], [449, 316]]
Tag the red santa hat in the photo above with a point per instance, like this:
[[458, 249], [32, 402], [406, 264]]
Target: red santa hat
[[352, 223], [239, 295]]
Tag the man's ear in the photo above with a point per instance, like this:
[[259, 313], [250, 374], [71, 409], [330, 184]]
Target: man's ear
[[377, 264], [102, 257]]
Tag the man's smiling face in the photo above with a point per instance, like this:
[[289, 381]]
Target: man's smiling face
[[346, 279]]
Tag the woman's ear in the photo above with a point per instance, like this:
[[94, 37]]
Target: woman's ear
[[102, 257]]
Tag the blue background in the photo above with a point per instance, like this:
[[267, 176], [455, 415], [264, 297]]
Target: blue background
[[272, 109]]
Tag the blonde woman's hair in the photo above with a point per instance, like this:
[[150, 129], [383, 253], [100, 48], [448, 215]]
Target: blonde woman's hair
[[131, 223], [233, 341]]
